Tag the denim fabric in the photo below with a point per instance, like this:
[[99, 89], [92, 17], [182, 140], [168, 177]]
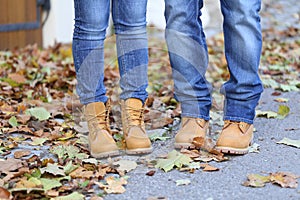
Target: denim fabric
[[91, 22], [189, 59]]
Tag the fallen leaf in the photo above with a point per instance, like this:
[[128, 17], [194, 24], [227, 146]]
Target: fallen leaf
[[10, 164], [209, 168], [254, 148], [49, 184], [69, 151], [20, 154], [38, 141], [13, 121], [4, 193], [290, 142], [174, 159], [256, 180], [283, 111], [151, 173], [39, 112], [68, 168], [11, 175], [183, 182], [281, 100], [191, 167], [113, 186], [206, 144], [52, 193], [53, 169], [125, 165], [268, 114], [284, 179]]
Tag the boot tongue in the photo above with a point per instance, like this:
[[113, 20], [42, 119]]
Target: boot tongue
[[134, 111]]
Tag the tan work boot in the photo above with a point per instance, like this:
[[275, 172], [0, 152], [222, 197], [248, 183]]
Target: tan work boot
[[190, 128], [101, 142], [235, 138], [137, 141]]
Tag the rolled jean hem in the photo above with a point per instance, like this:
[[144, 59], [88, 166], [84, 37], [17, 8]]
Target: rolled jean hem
[[239, 119], [195, 116]]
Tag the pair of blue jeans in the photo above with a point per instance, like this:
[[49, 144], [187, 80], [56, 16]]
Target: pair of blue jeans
[[91, 22], [189, 58]]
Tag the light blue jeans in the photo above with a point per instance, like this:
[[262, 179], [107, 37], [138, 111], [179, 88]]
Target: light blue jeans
[[189, 57], [91, 22]]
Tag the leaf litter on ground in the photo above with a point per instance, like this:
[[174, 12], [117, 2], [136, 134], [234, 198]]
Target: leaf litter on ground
[[37, 99]]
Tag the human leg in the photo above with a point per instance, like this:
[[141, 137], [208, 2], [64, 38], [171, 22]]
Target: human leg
[[91, 20], [243, 43], [242, 91], [129, 18], [188, 56]]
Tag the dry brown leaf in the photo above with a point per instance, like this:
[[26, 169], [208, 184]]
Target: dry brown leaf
[[10, 165], [206, 144], [151, 173], [284, 179], [4, 193], [113, 186], [52, 193], [209, 168], [11, 175], [20, 154]]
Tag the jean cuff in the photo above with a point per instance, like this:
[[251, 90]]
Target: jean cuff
[[238, 119], [195, 116]]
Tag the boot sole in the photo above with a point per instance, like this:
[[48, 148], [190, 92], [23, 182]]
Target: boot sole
[[230, 150], [105, 154], [139, 151], [182, 145]]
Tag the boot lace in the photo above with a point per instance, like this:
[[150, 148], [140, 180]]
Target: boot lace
[[241, 125], [97, 120], [135, 116]]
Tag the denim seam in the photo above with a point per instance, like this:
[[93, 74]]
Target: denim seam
[[195, 116], [239, 119]]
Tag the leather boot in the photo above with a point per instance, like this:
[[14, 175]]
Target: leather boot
[[137, 141], [101, 142], [235, 138], [190, 128]]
